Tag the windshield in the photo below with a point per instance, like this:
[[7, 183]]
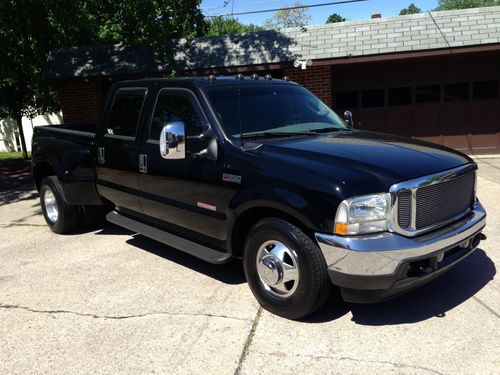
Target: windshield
[[270, 108]]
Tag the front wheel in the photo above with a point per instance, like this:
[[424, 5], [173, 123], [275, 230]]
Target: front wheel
[[285, 269], [60, 216]]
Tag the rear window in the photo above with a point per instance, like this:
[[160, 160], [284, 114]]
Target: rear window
[[125, 112]]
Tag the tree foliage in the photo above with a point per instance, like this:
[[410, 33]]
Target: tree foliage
[[223, 26], [463, 4], [29, 29], [289, 18], [149, 22], [411, 9], [334, 18]]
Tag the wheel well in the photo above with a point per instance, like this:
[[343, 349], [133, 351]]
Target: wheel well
[[249, 218], [40, 171]]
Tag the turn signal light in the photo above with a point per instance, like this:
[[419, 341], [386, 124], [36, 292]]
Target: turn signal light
[[341, 228]]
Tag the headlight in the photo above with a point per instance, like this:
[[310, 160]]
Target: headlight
[[364, 214]]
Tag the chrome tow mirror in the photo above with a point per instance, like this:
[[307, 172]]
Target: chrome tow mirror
[[348, 118], [173, 141]]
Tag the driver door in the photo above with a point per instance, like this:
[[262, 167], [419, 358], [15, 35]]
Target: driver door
[[178, 189]]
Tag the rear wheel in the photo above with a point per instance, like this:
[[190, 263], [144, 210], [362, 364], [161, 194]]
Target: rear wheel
[[285, 269], [60, 216]]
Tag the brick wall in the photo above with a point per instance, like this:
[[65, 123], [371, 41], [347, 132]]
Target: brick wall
[[318, 79], [81, 102]]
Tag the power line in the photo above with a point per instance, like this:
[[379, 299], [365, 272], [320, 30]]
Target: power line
[[441, 31], [285, 8], [225, 3]]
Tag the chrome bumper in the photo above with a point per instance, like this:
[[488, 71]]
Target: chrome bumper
[[376, 261]]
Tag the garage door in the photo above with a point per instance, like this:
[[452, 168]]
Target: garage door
[[452, 101]]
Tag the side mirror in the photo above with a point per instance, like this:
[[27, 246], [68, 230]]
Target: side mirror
[[209, 141], [173, 141], [348, 118]]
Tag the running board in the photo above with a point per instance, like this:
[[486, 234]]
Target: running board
[[190, 247]]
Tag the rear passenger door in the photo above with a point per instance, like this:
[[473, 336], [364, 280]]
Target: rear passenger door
[[118, 149]]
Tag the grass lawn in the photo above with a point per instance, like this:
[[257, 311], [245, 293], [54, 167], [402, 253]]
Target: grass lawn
[[8, 156]]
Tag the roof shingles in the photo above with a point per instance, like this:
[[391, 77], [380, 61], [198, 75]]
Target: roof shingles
[[424, 31], [418, 32]]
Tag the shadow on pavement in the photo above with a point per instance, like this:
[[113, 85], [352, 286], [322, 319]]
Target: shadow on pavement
[[14, 173], [15, 181], [431, 300], [16, 193], [229, 273]]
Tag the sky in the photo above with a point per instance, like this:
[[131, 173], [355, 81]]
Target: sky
[[353, 11]]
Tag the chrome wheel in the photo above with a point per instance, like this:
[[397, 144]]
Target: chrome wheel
[[278, 269], [50, 203]]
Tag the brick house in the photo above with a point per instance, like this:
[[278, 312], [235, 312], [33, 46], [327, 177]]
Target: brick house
[[432, 76]]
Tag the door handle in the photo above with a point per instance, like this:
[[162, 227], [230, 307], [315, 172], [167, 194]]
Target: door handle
[[143, 163], [100, 155]]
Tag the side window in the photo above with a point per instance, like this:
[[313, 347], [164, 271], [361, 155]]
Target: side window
[[174, 107], [125, 112]]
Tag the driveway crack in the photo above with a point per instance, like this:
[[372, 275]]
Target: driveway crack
[[116, 317], [248, 341], [342, 358]]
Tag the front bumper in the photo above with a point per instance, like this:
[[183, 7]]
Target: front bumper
[[371, 268]]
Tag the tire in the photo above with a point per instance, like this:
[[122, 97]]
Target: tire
[[271, 240], [65, 217]]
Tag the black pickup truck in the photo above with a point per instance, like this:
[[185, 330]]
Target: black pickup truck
[[259, 169]]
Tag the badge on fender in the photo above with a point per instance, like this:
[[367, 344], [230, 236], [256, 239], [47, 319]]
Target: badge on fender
[[235, 179]]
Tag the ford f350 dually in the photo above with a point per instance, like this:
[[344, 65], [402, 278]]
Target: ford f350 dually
[[259, 169]]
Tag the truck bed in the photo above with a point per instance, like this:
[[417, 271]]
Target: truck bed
[[67, 150], [86, 130]]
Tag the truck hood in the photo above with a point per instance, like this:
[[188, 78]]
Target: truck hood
[[353, 157]]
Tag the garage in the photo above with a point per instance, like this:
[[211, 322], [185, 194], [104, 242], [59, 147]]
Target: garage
[[453, 101], [433, 76]]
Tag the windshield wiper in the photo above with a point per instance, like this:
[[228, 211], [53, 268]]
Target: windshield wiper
[[273, 134], [327, 130]]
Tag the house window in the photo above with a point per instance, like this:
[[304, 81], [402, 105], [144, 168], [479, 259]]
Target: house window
[[400, 96], [456, 92], [373, 98], [346, 100], [485, 90], [427, 94]]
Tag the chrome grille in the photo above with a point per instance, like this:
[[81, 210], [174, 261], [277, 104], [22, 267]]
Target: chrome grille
[[445, 200], [404, 208], [432, 201]]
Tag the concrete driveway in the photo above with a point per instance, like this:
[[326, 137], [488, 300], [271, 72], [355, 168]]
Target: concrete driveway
[[108, 301]]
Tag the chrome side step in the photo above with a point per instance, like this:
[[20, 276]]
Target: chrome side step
[[187, 246]]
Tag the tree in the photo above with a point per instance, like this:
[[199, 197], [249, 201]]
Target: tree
[[463, 4], [284, 17], [222, 26], [411, 9], [147, 22], [334, 18], [29, 29]]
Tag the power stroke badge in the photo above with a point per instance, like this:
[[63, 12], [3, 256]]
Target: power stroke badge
[[235, 179]]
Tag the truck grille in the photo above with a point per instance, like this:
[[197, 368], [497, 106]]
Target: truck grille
[[404, 208], [440, 202], [435, 203]]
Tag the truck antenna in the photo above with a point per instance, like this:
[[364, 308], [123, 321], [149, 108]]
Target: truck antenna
[[239, 114]]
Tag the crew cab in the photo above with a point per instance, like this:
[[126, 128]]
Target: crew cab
[[259, 169]]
